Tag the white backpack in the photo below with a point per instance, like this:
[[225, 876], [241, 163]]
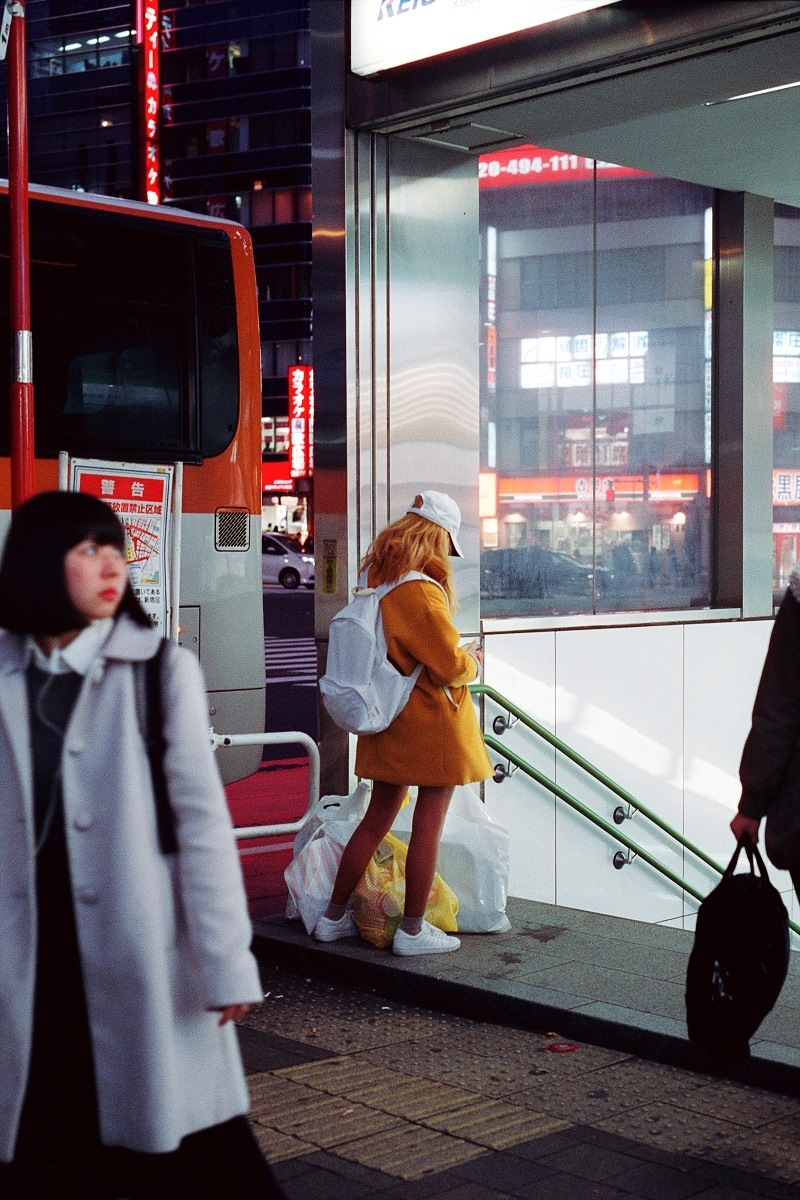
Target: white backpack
[[362, 691]]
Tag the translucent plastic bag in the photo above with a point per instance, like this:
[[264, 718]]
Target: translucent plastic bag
[[473, 858], [318, 848], [380, 896]]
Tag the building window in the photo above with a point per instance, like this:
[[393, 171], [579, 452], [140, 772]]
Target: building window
[[595, 387]]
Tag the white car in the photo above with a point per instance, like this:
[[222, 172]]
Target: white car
[[284, 565]]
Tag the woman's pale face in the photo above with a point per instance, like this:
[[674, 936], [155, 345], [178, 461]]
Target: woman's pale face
[[96, 578]]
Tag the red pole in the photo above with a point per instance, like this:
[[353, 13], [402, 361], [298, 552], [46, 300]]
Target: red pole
[[21, 341]]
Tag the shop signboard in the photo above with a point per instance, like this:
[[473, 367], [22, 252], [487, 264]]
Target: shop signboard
[[546, 489], [301, 420], [786, 486], [147, 35], [275, 477], [527, 165], [390, 33], [140, 496]]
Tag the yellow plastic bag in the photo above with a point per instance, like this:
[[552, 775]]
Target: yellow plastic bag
[[380, 896]]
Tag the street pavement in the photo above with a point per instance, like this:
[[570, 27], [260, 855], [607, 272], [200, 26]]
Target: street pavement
[[355, 1096], [290, 661]]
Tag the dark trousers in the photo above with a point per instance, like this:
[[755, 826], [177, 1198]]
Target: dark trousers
[[220, 1163]]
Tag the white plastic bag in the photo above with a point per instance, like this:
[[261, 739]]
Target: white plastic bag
[[318, 847], [473, 861]]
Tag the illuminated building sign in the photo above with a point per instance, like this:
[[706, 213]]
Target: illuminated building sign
[[275, 478], [538, 490], [785, 486], [491, 310], [565, 361], [389, 33], [534, 164], [547, 362], [147, 35], [786, 356], [301, 421]]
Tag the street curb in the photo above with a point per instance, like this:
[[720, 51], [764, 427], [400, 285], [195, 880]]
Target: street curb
[[773, 1067]]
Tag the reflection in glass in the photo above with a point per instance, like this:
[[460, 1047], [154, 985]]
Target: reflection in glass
[[595, 409], [786, 399]]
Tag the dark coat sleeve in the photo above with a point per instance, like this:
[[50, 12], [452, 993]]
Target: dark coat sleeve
[[774, 737]]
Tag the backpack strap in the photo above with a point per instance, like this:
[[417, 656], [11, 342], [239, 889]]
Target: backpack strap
[[410, 576], [149, 695]]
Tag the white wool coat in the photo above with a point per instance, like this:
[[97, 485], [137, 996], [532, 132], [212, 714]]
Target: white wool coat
[[162, 939]]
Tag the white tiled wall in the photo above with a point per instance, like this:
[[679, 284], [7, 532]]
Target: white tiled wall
[[661, 709], [524, 672]]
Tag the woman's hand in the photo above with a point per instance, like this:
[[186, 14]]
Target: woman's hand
[[742, 826], [477, 654], [234, 1012]]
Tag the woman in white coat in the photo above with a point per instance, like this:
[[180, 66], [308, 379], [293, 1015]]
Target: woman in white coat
[[122, 967]]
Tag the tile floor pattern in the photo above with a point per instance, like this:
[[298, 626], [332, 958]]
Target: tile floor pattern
[[355, 1097]]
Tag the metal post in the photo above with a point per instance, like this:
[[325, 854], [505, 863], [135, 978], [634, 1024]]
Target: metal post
[[175, 566], [21, 391]]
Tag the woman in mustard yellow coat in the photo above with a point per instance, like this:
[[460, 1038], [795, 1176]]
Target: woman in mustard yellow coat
[[434, 742]]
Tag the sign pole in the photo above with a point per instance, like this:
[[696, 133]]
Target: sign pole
[[21, 397]]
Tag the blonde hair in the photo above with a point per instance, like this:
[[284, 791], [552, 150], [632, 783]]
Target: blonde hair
[[412, 544]]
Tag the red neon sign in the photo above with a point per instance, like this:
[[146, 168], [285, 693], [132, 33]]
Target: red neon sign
[[147, 28], [533, 164], [301, 421]]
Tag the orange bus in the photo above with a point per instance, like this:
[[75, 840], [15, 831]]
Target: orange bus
[[146, 349]]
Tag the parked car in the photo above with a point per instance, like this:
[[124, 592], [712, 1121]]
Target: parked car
[[290, 541], [535, 573], [280, 564]]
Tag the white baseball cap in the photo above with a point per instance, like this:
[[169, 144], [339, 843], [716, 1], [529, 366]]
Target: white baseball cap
[[442, 510]]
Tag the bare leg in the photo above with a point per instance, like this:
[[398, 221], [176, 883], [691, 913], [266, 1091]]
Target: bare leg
[[383, 807], [429, 814]]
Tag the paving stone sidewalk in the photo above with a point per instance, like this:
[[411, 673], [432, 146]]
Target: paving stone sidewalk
[[356, 1096], [613, 982]]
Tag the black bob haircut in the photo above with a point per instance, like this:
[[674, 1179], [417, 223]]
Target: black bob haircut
[[33, 587]]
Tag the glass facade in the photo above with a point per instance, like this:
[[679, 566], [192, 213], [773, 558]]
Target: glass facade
[[595, 387], [786, 398]]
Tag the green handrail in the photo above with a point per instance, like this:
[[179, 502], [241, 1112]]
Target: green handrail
[[551, 786], [589, 813], [483, 689]]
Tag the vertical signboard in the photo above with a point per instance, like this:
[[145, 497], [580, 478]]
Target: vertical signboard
[[147, 34], [301, 421], [491, 310], [140, 496]]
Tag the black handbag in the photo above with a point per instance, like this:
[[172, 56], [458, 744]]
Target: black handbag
[[739, 959]]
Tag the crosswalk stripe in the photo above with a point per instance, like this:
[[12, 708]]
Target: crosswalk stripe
[[297, 655]]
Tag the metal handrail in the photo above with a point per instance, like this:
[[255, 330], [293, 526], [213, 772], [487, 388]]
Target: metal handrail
[[483, 689], [275, 739], [551, 786], [589, 813]]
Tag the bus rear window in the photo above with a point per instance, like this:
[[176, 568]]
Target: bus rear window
[[124, 366]]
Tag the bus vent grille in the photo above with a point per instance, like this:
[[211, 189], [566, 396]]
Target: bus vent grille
[[232, 529]]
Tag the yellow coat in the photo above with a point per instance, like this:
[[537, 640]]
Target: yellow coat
[[434, 741]]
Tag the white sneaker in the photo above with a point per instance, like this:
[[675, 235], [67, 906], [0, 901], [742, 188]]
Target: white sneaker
[[327, 930], [429, 940]]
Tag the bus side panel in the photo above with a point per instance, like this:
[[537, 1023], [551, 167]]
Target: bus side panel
[[221, 599], [236, 473], [45, 479]]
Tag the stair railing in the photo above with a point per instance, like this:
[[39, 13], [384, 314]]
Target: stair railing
[[500, 724]]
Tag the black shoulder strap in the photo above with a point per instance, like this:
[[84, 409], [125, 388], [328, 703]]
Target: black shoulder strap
[[156, 746]]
